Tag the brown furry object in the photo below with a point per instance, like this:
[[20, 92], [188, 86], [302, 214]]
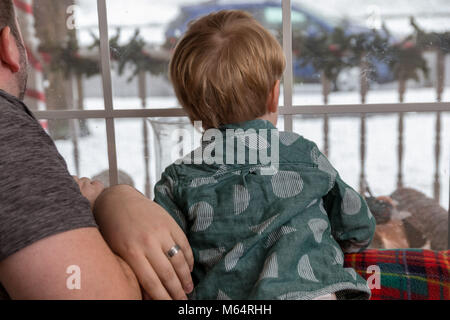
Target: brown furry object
[[428, 220]]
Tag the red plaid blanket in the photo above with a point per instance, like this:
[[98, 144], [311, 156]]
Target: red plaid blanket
[[404, 274]]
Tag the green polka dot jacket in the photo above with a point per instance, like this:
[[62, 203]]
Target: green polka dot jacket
[[263, 230]]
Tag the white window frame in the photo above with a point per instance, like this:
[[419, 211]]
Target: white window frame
[[287, 110]]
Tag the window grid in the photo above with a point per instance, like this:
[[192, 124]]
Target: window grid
[[288, 76], [105, 59], [109, 114]]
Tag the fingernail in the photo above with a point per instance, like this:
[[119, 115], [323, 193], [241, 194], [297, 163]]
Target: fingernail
[[189, 288]]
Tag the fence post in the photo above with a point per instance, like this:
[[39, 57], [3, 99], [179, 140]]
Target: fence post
[[72, 98], [401, 91], [364, 87], [142, 83], [439, 91], [326, 92]]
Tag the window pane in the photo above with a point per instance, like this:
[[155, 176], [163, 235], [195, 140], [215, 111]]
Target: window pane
[[143, 36], [64, 71], [422, 193], [377, 39], [84, 147], [274, 16], [145, 147]]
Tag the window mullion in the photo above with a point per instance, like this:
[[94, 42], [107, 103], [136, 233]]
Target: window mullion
[[288, 75], [107, 91]]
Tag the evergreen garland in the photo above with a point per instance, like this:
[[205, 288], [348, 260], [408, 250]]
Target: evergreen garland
[[134, 55], [406, 59], [66, 57], [329, 54], [431, 40], [373, 46]]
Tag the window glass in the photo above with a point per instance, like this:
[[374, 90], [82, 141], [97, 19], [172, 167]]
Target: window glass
[[64, 71], [380, 51], [274, 16], [418, 189], [145, 147], [143, 37], [84, 147]]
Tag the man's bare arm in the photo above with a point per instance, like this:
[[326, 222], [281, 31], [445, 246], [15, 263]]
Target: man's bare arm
[[141, 232], [39, 271]]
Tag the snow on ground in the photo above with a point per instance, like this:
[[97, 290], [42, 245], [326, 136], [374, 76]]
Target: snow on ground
[[419, 142]]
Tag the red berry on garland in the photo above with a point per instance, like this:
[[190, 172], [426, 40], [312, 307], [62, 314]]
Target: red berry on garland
[[333, 47], [408, 45]]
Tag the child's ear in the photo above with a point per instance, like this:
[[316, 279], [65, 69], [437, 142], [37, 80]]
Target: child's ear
[[274, 98]]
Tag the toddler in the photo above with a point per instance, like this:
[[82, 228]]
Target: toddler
[[266, 214]]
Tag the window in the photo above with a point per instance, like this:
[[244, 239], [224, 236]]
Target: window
[[274, 16], [112, 117]]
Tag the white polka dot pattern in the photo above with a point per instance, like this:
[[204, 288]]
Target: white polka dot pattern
[[253, 140], [254, 169], [166, 188], [194, 157], [339, 257], [305, 270], [222, 170], [369, 214], [351, 204], [241, 199], [322, 208], [203, 214], [232, 257], [318, 227], [260, 228], [287, 184], [270, 268], [222, 296], [210, 257], [311, 204], [315, 155], [197, 182], [288, 138], [324, 165], [276, 235]]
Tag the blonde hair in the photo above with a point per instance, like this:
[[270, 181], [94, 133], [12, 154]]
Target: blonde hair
[[225, 67]]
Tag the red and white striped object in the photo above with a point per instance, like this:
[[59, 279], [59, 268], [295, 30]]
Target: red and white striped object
[[35, 96]]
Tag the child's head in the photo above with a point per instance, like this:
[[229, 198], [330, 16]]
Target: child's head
[[226, 69]]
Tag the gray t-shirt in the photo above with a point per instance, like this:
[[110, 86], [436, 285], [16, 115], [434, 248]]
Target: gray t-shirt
[[38, 197]]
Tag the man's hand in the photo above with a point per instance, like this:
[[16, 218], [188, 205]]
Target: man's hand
[[90, 189], [142, 233]]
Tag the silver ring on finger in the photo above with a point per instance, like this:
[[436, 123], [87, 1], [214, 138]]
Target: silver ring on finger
[[173, 251]]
